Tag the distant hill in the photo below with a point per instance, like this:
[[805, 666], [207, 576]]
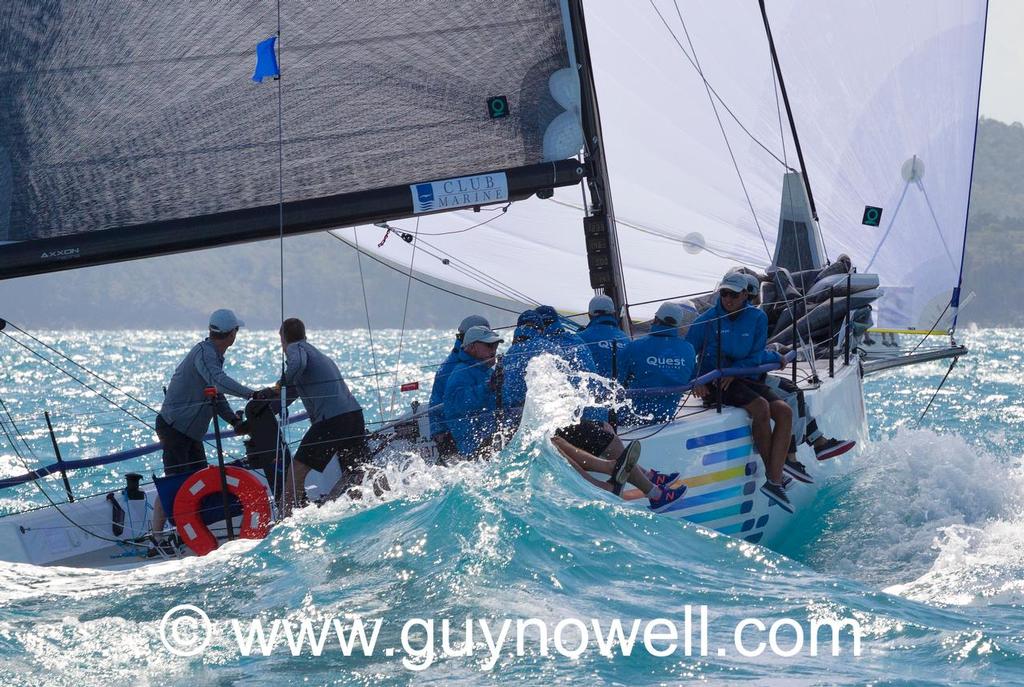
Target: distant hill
[[995, 238], [323, 283]]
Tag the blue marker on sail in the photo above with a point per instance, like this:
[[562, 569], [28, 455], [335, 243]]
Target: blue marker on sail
[[266, 60]]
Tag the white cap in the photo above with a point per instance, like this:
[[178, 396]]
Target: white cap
[[479, 333], [601, 305], [224, 321], [670, 314]]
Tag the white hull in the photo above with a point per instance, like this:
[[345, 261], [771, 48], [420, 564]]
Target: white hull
[[716, 459], [712, 451]]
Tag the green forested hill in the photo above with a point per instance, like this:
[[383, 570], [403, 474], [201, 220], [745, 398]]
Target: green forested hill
[[995, 239], [323, 284]]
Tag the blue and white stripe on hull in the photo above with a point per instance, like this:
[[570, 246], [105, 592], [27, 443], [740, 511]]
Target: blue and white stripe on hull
[[717, 460]]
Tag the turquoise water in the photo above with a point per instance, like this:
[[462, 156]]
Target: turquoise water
[[922, 543]]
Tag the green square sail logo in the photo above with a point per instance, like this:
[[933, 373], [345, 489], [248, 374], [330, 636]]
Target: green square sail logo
[[497, 107], [872, 216]]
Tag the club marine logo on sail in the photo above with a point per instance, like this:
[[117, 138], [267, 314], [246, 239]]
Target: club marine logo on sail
[[448, 194]]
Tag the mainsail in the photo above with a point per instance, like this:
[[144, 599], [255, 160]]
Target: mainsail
[[122, 135], [885, 97]]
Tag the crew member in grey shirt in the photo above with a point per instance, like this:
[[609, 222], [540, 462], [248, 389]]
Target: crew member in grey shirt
[[337, 425], [186, 413]]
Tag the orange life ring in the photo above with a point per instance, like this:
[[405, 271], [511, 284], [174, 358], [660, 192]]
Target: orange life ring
[[243, 484]]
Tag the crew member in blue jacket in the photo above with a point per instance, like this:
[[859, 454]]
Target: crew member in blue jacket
[[660, 359], [470, 397], [743, 331], [603, 335], [438, 429], [527, 343]]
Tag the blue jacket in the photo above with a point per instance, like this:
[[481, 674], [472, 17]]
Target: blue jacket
[[744, 337], [575, 351], [599, 335], [662, 358], [527, 344], [469, 404], [437, 423]]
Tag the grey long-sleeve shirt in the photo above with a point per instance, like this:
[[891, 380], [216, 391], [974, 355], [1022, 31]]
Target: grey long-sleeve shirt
[[185, 406], [313, 377]]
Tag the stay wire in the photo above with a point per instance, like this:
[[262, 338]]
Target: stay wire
[[80, 381], [928, 407], [369, 326], [401, 336], [425, 282], [37, 483], [711, 88], [79, 366], [721, 127]]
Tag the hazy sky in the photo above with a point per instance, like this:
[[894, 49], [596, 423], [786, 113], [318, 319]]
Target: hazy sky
[[1002, 96]]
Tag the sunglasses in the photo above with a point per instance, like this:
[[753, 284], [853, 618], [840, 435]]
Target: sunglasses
[[730, 294]]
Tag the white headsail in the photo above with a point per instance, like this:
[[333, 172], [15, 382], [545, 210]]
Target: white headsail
[[885, 100]]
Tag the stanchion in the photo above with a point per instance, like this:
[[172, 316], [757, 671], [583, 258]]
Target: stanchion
[[831, 331], [211, 394]]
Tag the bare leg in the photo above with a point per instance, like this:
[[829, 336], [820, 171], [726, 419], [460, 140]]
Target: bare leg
[[294, 486], [782, 414], [586, 462], [159, 518], [761, 429]]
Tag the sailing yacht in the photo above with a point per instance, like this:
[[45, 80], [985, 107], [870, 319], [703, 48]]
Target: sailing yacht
[[683, 138]]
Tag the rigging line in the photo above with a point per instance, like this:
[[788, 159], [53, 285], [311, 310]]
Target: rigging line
[[80, 381], [503, 210], [712, 89], [938, 229], [82, 367], [721, 126], [36, 483], [405, 312], [932, 328], [280, 219], [970, 183], [483, 277], [937, 390], [892, 222], [655, 232], [369, 327], [423, 281]]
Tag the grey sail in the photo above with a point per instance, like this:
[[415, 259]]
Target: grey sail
[[133, 129]]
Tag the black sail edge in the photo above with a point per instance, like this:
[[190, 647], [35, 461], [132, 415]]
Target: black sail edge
[[60, 253]]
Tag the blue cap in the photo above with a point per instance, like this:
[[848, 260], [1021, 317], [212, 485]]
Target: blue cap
[[547, 313], [473, 321], [224, 320], [530, 318]]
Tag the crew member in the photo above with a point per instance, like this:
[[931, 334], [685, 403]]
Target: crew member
[[603, 336], [438, 428], [186, 412], [471, 393], [659, 359]]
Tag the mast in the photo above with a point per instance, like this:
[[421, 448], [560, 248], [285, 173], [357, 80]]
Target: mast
[[789, 110], [603, 256]]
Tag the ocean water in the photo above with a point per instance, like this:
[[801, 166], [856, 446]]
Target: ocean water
[[922, 542]]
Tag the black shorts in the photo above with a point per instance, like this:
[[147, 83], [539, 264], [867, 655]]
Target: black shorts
[[742, 391], [182, 453], [343, 434], [588, 435]]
